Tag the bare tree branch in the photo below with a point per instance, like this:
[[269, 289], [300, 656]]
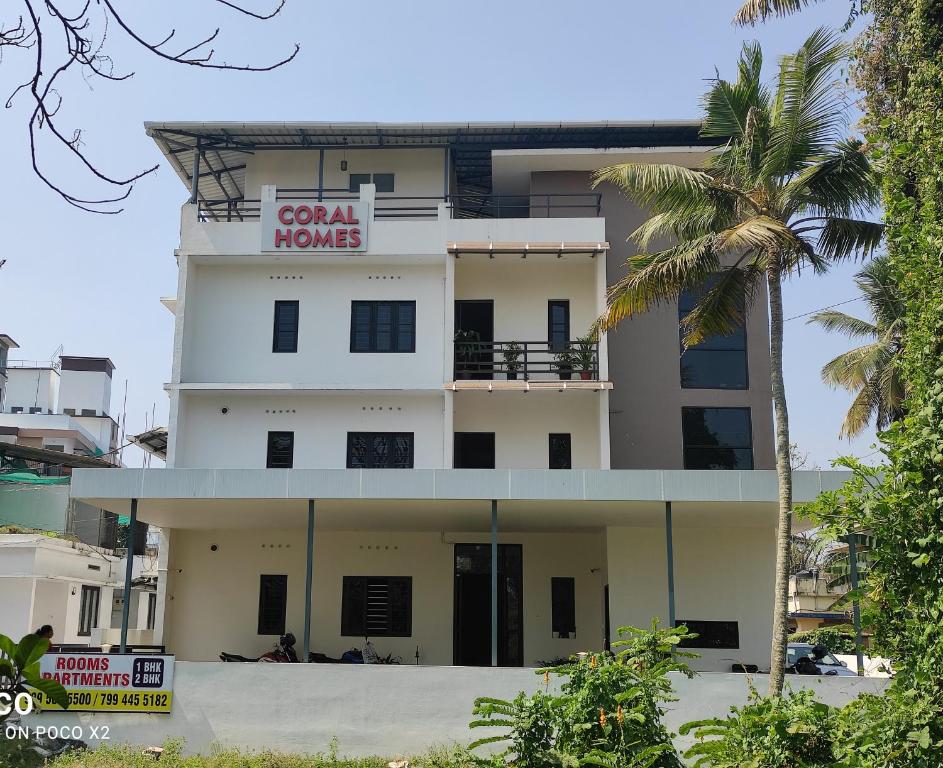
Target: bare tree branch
[[84, 37]]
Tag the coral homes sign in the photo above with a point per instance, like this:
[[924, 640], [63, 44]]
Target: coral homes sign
[[306, 226]]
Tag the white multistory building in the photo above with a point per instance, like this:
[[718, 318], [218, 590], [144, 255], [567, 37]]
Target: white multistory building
[[387, 418]]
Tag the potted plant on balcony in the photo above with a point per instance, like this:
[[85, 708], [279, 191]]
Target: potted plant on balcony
[[564, 361], [585, 356], [467, 345], [512, 359]]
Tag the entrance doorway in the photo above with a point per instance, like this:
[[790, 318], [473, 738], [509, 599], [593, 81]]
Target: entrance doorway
[[474, 326], [472, 621]]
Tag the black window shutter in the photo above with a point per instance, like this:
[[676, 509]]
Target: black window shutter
[[377, 606], [563, 605], [354, 605], [560, 451], [285, 333], [281, 450], [273, 598]]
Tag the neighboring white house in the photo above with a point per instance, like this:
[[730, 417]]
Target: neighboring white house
[[58, 408], [73, 587], [63, 405], [384, 420], [46, 580]]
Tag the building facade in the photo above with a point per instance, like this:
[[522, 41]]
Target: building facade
[[388, 418]]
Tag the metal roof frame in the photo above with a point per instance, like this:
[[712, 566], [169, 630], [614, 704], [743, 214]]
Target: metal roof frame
[[222, 147]]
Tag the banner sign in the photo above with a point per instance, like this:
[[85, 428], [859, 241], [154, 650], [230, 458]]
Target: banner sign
[[104, 682], [310, 226]]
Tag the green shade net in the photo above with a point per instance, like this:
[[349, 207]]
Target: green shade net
[[29, 478]]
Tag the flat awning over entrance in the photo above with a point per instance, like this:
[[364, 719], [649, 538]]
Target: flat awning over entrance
[[446, 499]]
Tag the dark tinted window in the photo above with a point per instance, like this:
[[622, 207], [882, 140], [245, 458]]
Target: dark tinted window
[[711, 634], [560, 451], [377, 606], [563, 605], [558, 324], [719, 362], [383, 326], [281, 450], [273, 597], [383, 182], [474, 450], [285, 334], [356, 179], [379, 450], [717, 438], [88, 609]]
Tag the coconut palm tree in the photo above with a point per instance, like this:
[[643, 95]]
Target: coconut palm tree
[[871, 370], [785, 192]]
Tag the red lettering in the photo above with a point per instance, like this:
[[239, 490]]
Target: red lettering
[[282, 237], [303, 214], [323, 239], [60, 662], [338, 216], [125, 680], [340, 238], [350, 215], [105, 661], [302, 238], [354, 237], [320, 214], [285, 214]]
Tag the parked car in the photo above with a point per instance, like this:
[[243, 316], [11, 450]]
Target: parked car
[[820, 656]]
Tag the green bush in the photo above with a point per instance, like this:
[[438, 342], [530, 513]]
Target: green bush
[[607, 712], [792, 731], [840, 639], [133, 757]]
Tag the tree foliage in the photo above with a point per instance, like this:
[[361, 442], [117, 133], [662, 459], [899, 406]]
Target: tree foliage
[[786, 192], [61, 38], [19, 670], [607, 712], [871, 371]]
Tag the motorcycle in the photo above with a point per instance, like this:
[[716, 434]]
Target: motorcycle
[[282, 653]]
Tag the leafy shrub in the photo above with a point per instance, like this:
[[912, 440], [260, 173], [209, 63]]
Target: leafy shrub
[[840, 639], [901, 729], [126, 756], [608, 711], [792, 731]]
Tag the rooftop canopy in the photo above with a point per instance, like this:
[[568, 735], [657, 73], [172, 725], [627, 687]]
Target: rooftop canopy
[[224, 147]]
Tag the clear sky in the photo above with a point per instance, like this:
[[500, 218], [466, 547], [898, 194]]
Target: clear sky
[[92, 283]]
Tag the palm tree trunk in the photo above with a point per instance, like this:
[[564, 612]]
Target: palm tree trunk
[[784, 474]]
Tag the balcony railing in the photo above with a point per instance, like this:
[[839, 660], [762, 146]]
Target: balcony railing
[[405, 206], [386, 206], [487, 206], [527, 360]]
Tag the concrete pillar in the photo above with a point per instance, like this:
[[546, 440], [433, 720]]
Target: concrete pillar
[[309, 570], [128, 575]]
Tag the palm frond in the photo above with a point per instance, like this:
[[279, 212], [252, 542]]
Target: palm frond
[[842, 239], [853, 327], [660, 277], [658, 187], [753, 11], [756, 232], [722, 308], [853, 369], [727, 105], [891, 391], [859, 414], [806, 115], [878, 283], [840, 182]]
